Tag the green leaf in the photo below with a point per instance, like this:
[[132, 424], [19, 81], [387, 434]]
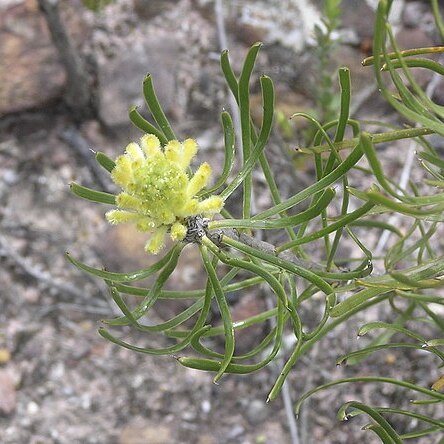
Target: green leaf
[[183, 316], [340, 223], [326, 181], [374, 414], [92, 195], [122, 277], [283, 222], [189, 294], [96, 5], [376, 138], [275, 333], [311, 276], [224, 312], [383, 284], [105, 162], [344, 82], [153, 295], [156, 109], [358, 355], [244, 111], [405, 53], [438, 19], [378, 379], [254, 155], [150, 351], [230, 150], [143, 124], [417, 63]]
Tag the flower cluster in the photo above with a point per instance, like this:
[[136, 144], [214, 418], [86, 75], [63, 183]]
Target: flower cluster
[[158, 194]]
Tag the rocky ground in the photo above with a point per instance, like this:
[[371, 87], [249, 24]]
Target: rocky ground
[[60, 382]]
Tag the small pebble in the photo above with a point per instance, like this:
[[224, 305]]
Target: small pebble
[[257, 411], [5, 356], [32, 408], [205, 406], [10, 177], [236, 431]]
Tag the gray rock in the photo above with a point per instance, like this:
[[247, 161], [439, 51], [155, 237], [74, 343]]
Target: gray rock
[[148, 9], [8, 397], [120, 76], [292, 29], [141, 431], [30, 72], [358, 16], [416, 13]]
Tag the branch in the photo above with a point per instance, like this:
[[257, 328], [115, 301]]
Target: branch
[[78, 89], [217, 237], [197, 228]]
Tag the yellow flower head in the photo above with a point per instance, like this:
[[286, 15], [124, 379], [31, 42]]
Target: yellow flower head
[[158, 195]]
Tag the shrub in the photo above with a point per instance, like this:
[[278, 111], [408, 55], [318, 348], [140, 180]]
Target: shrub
[[162, 196]]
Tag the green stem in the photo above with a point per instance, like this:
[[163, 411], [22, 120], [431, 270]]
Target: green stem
[[389, 136]]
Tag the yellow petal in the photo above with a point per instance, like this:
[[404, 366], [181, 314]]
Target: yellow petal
[[122, 173], [121, 217], [164, 215], [135, 152], [150, 145], [211, 205], [156, 243], [174, 152], [199, 180], [438, 385], [189, 151], [190, 208], [146, 225], [178, 231], [127, 201]]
